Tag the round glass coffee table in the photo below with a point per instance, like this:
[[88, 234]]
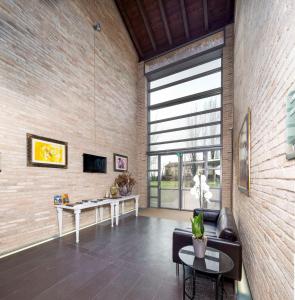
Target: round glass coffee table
[[214, 265]]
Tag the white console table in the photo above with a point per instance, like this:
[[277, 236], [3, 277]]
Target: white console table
[[114, 204]]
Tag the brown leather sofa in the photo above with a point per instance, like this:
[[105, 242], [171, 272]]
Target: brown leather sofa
[[221, 230]]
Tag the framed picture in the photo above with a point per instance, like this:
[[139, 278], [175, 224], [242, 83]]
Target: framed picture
[[290, 151], [244, 155], [45, 152], [120, 163]]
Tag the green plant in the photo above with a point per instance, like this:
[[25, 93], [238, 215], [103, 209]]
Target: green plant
[[198, 226]]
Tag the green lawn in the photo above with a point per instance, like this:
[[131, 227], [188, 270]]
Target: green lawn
[[174, 184]]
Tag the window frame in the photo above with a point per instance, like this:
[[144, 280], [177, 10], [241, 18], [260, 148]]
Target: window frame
[[209, 56]]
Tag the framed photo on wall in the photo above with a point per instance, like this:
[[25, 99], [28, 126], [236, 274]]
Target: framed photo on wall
[[290, 151], [120, 163], [244, 155], [46, 152]]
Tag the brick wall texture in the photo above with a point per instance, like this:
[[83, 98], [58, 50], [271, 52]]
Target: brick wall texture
[[264, 64], [141, 122], [47, 85]]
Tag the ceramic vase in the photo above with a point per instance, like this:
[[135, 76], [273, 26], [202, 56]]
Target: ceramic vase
[[124, 190], [200, 247]]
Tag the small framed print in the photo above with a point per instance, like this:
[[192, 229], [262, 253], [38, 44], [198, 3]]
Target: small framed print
[[120, 163], [244, 155], [290, 107], [46, 152]]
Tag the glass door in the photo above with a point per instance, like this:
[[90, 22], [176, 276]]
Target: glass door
[[205, 163], [192, 165], [171, 178], [169, 181], [153, 180]]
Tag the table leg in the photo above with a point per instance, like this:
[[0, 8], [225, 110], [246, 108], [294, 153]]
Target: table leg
[[136, 206], [77, 224], [123, 207], [222, 288], [96, 215], [112, 214], [218, 282], [101, 213], [194, 284], [117, 213], [183, 282], [59, 219]]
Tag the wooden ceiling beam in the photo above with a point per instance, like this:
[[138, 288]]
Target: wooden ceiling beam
[[146, 24], [164, 20], [228, 11], [129, 28], [205, 10], [184, 18]]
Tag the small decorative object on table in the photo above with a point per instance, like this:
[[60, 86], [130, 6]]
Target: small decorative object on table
[[65, 199], [199, 240], [125, 182], [114, 191], [57, 200]]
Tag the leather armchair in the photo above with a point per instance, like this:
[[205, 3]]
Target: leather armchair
[[221, 230]]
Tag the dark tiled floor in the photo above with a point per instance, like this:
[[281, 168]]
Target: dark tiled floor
[[132, 261]]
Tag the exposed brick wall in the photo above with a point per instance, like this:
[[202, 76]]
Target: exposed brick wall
[[264, 64], [47, 88], [227, 116], [142, 136]]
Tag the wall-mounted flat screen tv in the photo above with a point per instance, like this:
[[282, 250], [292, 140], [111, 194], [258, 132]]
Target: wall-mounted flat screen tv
[[94, 164]]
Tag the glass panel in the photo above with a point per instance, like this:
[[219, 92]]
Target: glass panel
[[170, 199], [192, 157], [189, 172], [153, 178], [214, 169], [187, 144], [186, 108], [169, 172], [190, 121], [187, 73], [214, 155], [154, 202], [153, 165], [186, 134], [189, 201], [191, 87], [216, 195], [153, 192]]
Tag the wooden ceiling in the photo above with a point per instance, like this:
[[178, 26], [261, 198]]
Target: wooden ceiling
[[157, 26]]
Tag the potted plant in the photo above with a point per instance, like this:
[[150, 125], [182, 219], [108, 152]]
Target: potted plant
[[125, 182], [199, 239]]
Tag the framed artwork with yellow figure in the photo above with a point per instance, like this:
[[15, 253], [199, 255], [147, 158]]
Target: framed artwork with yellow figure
[[45, 152]]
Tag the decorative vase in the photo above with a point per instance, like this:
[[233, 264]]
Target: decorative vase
[[124, 190], [200, 246], [113, 191]]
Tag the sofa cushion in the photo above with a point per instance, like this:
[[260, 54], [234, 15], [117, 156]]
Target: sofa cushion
[[226, 227], [210, 215], [210, 229]]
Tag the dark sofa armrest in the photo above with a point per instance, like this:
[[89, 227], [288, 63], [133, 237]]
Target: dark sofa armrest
[[181, 238], [233, 250], [210, 215]]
